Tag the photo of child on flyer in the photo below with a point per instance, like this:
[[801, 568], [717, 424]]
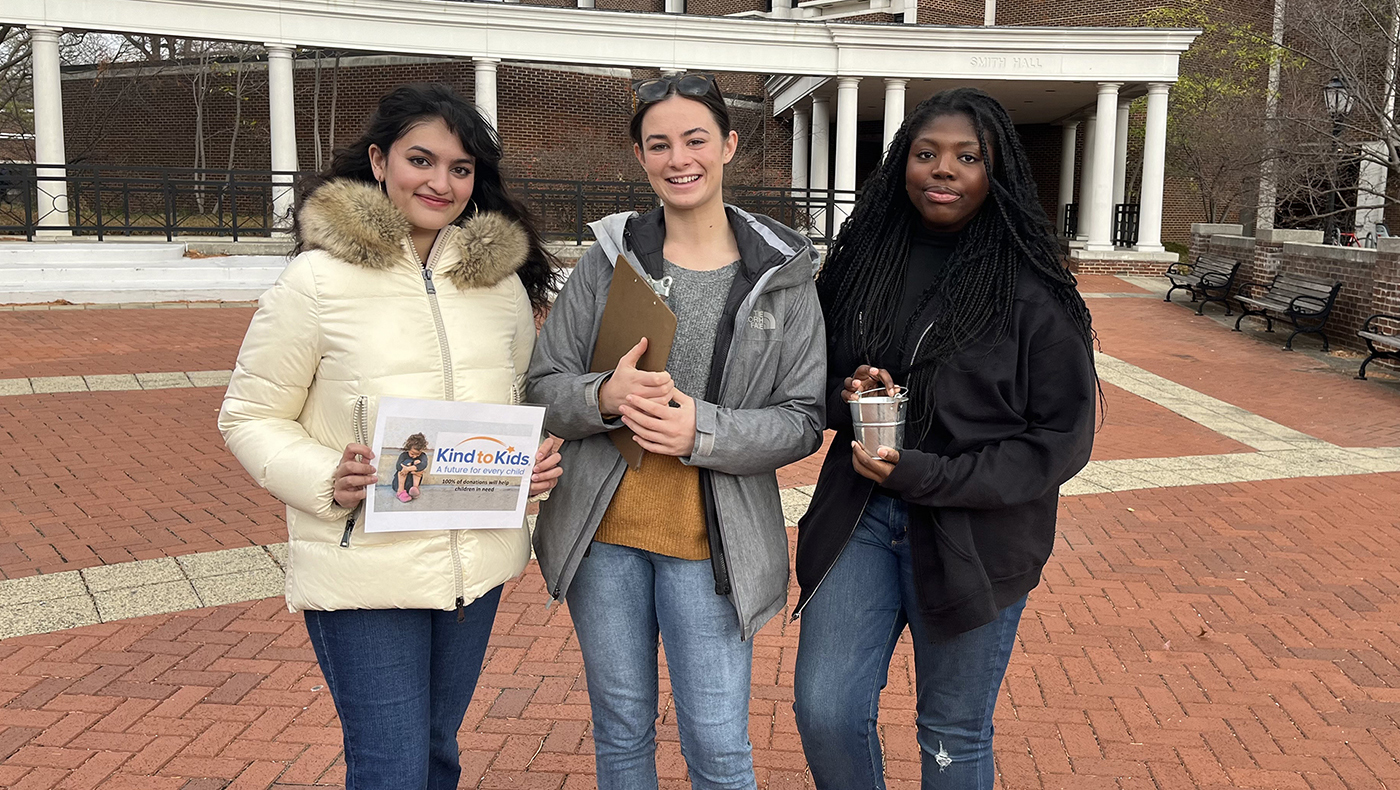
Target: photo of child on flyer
[[409, 468]]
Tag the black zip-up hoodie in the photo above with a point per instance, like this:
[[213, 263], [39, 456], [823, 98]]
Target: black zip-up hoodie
[[1014, 420]]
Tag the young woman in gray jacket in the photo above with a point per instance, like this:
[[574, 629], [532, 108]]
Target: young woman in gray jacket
[[690, 547]]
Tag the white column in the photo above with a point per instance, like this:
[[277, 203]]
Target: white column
[[1086, 178], [847, 94], [989, 12], [1154, 169], [585, 3], [894, 108], [486, 89], [1069, 133], [801, 146], [1120, 155], [675, 6], [1101, 210], [52, 209], [782, 9], [818, 176], [281, 115], [1370, 191]]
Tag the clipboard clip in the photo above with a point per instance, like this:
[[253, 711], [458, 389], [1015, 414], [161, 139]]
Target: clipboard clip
[[661, 286]]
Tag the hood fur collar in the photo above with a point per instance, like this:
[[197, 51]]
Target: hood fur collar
[[358, 224]]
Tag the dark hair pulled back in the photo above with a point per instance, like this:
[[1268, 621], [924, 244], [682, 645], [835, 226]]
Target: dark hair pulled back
[[713, 101], [865, 269], [409, 105]]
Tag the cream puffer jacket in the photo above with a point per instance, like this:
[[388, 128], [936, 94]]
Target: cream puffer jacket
[[353, 319]]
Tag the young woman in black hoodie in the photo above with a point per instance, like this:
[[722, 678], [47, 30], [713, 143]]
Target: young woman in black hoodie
[[947, 280]]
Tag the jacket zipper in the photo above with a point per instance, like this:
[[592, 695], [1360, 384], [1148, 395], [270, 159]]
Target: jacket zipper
[[361, 437], [448, 393], [798, 611], [559, 585], [922, 336]]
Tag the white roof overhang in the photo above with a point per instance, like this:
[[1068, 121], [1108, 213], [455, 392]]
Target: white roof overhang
[[671, 41]]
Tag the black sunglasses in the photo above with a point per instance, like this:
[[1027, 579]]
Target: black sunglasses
[[658, 88]]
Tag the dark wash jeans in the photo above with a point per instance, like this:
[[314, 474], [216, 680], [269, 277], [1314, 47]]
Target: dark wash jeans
[[849, 632], [401, 680]]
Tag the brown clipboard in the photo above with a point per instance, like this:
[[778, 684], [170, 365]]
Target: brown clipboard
[[633, 311]]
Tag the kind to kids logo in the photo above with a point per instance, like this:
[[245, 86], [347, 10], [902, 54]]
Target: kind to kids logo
[[457, 454]]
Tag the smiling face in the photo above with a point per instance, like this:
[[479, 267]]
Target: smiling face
[[426, 174], [684, 153], [944, 175]]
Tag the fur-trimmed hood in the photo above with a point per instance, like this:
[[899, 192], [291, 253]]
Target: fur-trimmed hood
[[357, 223]]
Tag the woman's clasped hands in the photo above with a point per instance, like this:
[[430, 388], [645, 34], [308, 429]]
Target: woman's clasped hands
[[644, 400]]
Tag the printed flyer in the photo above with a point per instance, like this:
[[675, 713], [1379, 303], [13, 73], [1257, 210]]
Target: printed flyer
[[449, 465]]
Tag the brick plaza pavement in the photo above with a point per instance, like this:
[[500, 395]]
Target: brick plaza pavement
[[1235, 634]]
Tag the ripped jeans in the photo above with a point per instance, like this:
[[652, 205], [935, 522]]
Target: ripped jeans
[[849, 632]]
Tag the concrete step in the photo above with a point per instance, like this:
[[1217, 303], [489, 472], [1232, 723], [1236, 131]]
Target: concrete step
[[131, 253], [193, 272], [156, 292], [233, 277]]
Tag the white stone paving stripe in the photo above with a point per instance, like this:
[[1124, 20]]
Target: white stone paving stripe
[[52, 602], [58, 601], [43, 385], [1224, 418]]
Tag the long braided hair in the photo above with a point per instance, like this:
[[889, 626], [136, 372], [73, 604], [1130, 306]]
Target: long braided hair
[[865, 269]]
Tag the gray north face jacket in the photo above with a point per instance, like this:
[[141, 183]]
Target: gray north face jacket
[[764, 406]]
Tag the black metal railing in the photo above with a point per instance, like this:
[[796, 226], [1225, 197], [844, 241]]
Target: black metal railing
[[1071, 220], [1125, 224], [104, 200], [109, 200]]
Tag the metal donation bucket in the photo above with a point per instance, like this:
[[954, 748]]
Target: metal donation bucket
[[878, 418]]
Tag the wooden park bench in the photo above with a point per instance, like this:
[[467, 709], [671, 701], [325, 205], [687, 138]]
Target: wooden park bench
[[1209, 279], [1303, 301], [1381, 345]]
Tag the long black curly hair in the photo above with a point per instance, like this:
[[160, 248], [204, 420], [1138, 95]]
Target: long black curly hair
[[409, 105], [865, 269]]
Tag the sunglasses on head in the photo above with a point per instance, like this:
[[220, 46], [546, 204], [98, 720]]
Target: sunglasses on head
[[658, 88]]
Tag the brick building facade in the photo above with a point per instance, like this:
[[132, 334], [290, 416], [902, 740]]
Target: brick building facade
[[557, 122]]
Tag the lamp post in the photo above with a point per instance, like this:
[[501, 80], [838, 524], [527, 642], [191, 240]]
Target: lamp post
[[1338, 98]]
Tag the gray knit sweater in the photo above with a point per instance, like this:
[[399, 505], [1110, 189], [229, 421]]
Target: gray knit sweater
[[697, 298]]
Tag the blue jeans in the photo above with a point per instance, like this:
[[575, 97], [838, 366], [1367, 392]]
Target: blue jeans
[[621, 599], [849, 632], [401, 680]]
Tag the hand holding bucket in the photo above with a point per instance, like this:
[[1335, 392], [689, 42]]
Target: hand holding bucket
[[878, 417]]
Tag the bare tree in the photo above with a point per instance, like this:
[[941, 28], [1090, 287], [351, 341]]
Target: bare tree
[[1216, 131], [1354, 42]]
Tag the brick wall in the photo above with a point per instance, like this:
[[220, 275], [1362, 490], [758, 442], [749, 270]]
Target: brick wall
[[1267, 262], [952, 12], [1236, 248], [555, 123], [723, 7], [1122, 13], [887, 19], [1042, 144], [648, 6]]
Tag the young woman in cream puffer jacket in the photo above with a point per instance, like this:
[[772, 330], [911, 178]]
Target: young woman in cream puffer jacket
[[354, 318], [417, 276]]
